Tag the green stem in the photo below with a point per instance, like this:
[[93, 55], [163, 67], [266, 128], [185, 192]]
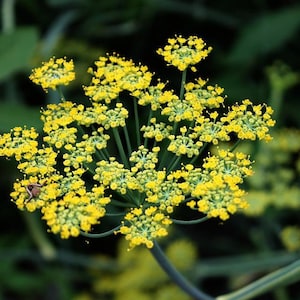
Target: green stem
[[235, 145], [189, 222], [238, 265], [100, 154], [61, 94], [174, 163], [100, 235], [137, 122], [163, 158], [181, 281], [183, 80], [267, 283], [127, 139], [148, 123], [105, 153], [200, 152], [175, 126], [120, 147]]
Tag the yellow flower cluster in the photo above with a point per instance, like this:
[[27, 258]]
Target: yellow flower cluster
[[20, 142], [144, 226], [142, 158], [250, 124], [53, 73], [216, 187], [184, 52], [114, 74]]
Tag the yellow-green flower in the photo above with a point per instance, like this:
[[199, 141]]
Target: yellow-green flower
[[55, 72], [114, 74], [144, 226], [75, 212], [202, 96], [250, 121], [183, 53], [215, 188], [20, 143]]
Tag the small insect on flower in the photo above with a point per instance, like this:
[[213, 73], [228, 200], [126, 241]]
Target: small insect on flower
[[33, 190]]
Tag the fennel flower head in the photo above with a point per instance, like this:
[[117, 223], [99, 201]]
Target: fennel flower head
[[138, 151]]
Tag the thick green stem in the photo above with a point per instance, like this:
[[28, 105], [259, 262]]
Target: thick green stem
[[180, 280], [267, 283]]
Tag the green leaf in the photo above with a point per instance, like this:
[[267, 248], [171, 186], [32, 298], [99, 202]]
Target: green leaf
[[266, 34], [16, 50], [12, 115]]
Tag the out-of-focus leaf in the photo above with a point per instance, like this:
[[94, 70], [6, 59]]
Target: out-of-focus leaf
[[12, 115], [62, 2], [16, 49], [266, 34], [56, 30], [21, 281]]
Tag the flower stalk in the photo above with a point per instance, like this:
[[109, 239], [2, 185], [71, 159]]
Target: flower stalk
[[174, 275]]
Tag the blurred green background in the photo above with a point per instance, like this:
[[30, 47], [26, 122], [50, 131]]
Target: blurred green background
[[255, 55]]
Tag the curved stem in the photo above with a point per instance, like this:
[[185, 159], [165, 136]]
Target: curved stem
[[100, 235], [178, 278], [189, 222]]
